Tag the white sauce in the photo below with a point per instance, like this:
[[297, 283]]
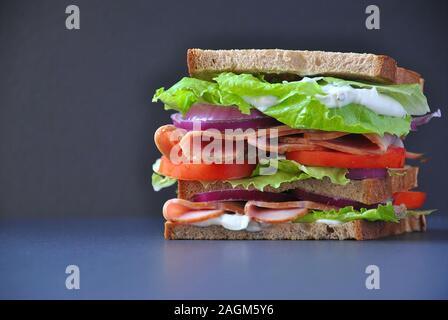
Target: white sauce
[[237, 222], [234, 222], [262, 103], [311, 80], [328, 221], [339, 96]]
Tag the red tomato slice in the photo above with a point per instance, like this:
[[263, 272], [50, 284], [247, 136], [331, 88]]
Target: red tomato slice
[[411, 199], [205, 172], [393, 158]]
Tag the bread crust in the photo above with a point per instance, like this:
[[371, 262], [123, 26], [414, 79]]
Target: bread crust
[[362, 66], [368, 191], [406, 76], [356, 230]]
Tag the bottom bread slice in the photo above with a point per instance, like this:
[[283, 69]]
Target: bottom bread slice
[[358, 230]]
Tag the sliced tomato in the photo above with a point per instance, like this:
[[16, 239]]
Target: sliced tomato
[[392, 158], [205, 172], [411, 199]]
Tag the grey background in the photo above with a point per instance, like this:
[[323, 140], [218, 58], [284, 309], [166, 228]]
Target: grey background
[[76, 149]]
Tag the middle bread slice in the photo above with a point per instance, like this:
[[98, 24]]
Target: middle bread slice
[[367, 191]]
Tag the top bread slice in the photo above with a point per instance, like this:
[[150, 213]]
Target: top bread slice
[[287, 64]]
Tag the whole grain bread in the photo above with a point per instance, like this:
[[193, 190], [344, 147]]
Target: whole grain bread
[[205, 64], [405, 76], [358, 230], [368, 191]]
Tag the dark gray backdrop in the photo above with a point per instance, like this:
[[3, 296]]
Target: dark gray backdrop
[[76, 120]]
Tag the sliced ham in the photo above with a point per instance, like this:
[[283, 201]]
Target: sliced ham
[[280, 212], [323, 135], [167, 137], [184, 211], [353, 144], [413, 155], [286, 131], [284, 147], [288, 140], [291, 143], [385, 141], [279, 131], [194, 216], [360, 144], [267, 215], [254, 137]]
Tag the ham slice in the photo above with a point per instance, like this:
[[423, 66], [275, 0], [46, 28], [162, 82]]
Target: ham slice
[[289, 140], [323, 135], [229, 154], [194, 216], [360, 144], [280, 212], [267, 215], [413, 155], [184, 211], [385, 141], [284, 147], [167, 137], [353, 144]]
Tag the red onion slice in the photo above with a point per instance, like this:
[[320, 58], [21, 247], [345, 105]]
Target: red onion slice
[[242, 195], [360, 174], [337, 202], [418, 121], [221, 117]]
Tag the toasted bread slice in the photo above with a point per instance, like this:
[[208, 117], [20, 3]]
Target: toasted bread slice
[[406, 76], [358, 230], [286, 64], [368, 191]]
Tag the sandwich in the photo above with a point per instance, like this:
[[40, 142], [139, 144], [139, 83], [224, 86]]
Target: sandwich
[[291, 145]]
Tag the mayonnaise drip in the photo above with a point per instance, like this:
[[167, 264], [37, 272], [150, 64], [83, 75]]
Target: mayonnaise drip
[[262, 103], [328, 221], [234, 222], [339, 96]]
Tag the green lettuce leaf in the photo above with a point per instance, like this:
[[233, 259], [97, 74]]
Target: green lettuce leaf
[[347, 214], [286, 171], [189, 91], [295, 103], [419, 212], [159, 181], [396, 172], [289, 171], [382, 213]]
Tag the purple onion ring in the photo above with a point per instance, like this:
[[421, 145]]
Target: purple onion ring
[[242, 195]]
